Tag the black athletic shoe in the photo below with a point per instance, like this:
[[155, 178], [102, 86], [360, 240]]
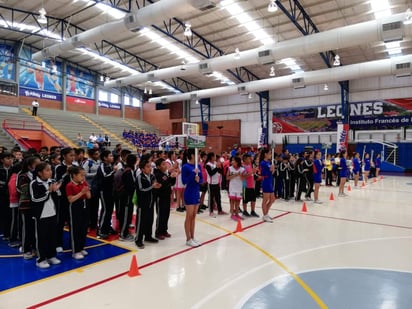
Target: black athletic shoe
[[151, 239], [254, 214], [180, 209], [203, 207], [102, 236], [139, 244], [245, 213]]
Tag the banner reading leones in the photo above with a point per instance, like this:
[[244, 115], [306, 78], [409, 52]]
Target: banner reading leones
[[342, 137]]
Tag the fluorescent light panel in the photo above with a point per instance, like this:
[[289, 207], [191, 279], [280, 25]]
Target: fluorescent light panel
[[247, 21], [380, 8]]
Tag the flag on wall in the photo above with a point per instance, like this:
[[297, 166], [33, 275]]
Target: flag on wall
[[342, 137]]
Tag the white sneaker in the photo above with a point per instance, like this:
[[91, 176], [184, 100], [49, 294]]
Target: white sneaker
[[84, 252], [197, 242], [54, 261], [43, 264], [267, 219], [191, 243], [317, 202], [27, 255], [212, 214], [78, 256], [59, 249]]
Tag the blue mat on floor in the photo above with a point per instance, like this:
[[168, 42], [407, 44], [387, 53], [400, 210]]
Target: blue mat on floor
[[16, 271]]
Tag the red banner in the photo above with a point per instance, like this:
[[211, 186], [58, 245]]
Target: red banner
[[77, 100]]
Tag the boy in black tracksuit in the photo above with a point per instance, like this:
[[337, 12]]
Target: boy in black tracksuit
[[126, 203], [284, 170], [163, 197], [105, 173], [145, 183], [5, 210], [308, 174]]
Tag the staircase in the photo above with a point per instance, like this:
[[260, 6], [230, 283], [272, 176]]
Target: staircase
[[5, 139]]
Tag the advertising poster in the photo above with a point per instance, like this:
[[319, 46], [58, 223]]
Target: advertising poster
[[110, 105], [40, 80], [342, 137], [7, 66], [80, 83], [369, 115]]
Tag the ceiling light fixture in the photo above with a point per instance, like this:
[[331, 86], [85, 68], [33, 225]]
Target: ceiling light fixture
[[107, 78], [183, 66], [336, 62], [408, 17], [237, 53], [197, 102], [272, 71], [101, 78], [42, 18], [150, 91], [188, 30], [272, 7], [145, 90], [325, 87]]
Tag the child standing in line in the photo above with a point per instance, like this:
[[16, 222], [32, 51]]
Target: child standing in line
[[356, 169], [267, 170], [105, 175], [145, 183], [6, 161], [249, 188], [78, 191], [23, 183], [343, 173], [366, 167], [317, 175], [44, 213], [162, 194], [235, 177], [180, 187], [213, 171], [126, 208], [15, 235], [62, 204], [192, 178]]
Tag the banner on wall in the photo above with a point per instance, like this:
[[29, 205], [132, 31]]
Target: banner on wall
[[46, 77], [80, 101], [7, 67], [369, 115], [80, 83], [39, 94], [342, 133], [110, 105]]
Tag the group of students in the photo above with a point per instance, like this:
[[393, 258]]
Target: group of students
[[43, 193], [141, 139]]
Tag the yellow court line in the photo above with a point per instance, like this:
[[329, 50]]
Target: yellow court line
[[312, 294]]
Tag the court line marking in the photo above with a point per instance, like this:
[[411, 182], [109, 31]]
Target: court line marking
[[306, 287], [92, 285], [347, 219], [257, 268]]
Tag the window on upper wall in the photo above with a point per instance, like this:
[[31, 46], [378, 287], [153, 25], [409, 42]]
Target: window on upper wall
[[103, 96], [126, 100], [114, 98], [136, 102]]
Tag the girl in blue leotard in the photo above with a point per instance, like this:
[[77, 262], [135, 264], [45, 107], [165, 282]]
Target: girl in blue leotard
[[266, 171], [192, 178], [343, 173]]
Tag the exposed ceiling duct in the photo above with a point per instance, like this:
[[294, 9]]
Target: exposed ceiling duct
[[358, 34], [399, 66], [151, 14]]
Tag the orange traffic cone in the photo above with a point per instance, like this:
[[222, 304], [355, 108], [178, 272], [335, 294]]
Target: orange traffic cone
[[134, 269], [239, 227], [331, 197], [304, 209], [349, 188]]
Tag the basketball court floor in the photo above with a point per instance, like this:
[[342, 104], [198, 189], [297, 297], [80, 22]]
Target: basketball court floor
[[350, 252]]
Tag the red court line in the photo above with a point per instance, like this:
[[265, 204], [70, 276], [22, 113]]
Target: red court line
[[350, 220], [92, 285]]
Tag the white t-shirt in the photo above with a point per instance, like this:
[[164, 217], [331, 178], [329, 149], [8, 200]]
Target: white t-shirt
[[35, 104]]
